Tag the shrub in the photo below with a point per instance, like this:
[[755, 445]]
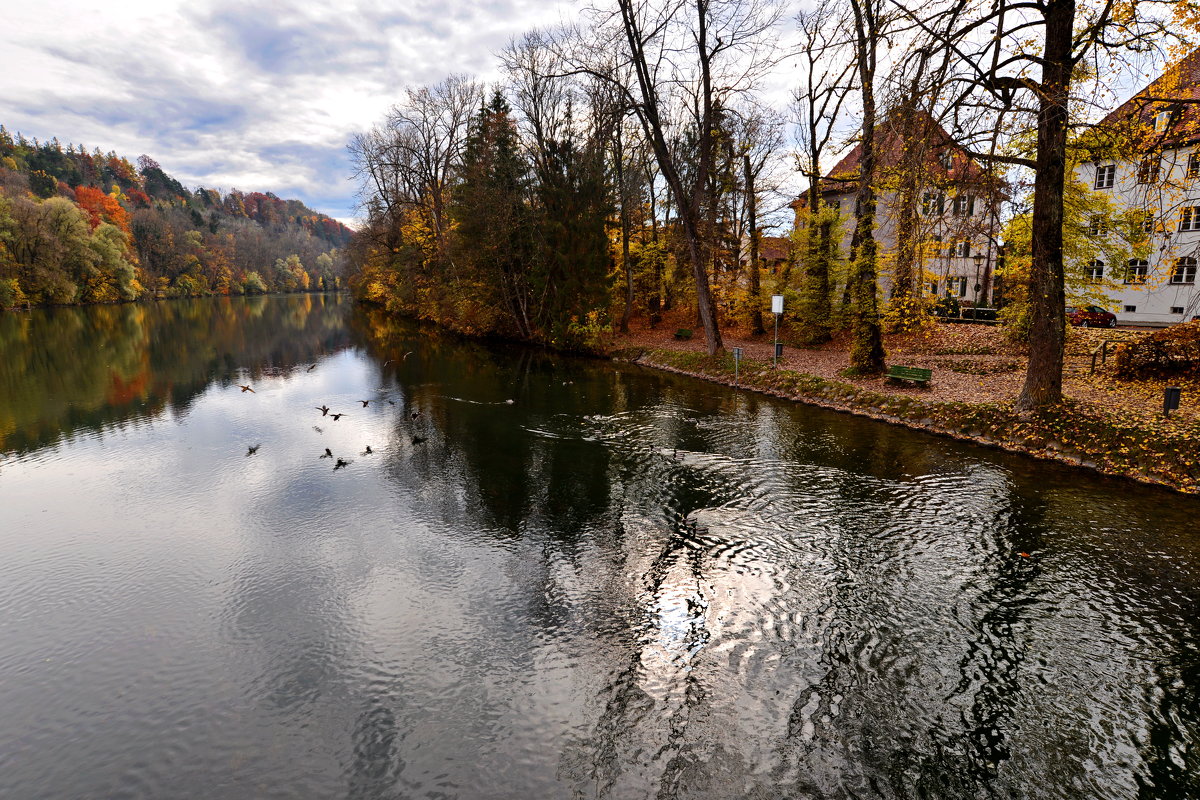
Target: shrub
[[1170, 351]]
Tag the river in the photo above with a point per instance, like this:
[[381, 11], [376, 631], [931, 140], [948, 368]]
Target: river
[[550, 577]]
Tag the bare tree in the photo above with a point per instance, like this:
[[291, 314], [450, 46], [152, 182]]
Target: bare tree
[[827, 81], [688, 61], [866, 352], [1020, 60]]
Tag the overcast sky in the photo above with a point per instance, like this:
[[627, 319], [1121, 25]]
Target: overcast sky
[[251, 94], [259, 96]]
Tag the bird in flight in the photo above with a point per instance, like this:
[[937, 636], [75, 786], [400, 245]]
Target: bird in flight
[[310, 369], [341, 462], [328, 453], [336, 417], [247, 389], [252, 450], [368, 451], [364, 402], [318, 429], [323, 409]]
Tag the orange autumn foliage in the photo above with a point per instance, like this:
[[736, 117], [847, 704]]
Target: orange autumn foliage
[[101, 207]]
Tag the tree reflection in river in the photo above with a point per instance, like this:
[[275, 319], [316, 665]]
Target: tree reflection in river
[[622, 584]]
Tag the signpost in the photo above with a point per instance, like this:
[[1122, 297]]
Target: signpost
[[777, 310], [737, 356]]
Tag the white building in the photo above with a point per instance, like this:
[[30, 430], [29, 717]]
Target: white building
[[955, 228], [1148, 165]]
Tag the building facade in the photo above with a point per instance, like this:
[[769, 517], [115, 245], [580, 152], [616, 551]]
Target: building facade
[[935, 204], [1146, 162]]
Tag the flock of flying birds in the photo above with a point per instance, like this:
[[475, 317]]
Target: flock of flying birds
[[324, 409]]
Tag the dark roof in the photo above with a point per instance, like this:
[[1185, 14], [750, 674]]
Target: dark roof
[[1133, 120], [889, 149], [774, 248]]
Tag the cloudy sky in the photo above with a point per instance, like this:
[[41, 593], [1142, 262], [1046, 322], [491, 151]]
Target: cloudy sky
[[247, 94]]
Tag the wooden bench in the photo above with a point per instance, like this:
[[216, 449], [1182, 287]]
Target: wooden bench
[[683, 333], [914, 374]]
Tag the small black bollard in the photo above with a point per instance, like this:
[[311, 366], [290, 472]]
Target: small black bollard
[[1170, 399]]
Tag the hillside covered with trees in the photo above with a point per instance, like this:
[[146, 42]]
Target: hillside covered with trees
[[91, 227]]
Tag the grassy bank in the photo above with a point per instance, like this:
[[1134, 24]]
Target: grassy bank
[[1115, 441]]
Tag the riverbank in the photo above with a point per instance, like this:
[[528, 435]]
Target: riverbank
[[1108, 425]]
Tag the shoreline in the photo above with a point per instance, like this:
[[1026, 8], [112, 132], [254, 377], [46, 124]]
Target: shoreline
[[1104, 447]]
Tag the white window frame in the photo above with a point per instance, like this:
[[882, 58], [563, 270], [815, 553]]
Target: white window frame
[[1094, 271], [1147, 171], [1193, 166], [1137, 271], [1106, 176], [1184, 271], [1189, 218]]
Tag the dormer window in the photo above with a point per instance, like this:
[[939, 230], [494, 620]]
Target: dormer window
[[946, 159], [1162, 120], [1106, 176]]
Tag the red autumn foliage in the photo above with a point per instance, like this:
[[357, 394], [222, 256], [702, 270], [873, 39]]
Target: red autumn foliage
[[101, 207], [1170, 351]]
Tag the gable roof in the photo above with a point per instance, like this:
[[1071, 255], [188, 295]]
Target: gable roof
[[889, 150], [1135, 117]]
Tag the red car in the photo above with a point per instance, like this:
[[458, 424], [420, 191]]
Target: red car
[[1091, 317]]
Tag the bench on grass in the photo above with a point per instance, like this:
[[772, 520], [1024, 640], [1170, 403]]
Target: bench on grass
[[683, 333], [915, 374]]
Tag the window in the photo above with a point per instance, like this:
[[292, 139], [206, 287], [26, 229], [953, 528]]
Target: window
[[946, 159], [1144, 221], [1130, 309], [1095, 271], [933, 203], [963, 205], [1176, 309], [933, 287], [957, 286], [1137, 270], [1185, 270], [1162, 120], [1193, 167], [1098, 226], [1189, 219], [963, 249], [1148, 171], [1106, 176]]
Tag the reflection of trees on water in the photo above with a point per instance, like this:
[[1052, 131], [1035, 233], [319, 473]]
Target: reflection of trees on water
[[917, 680], [71, 369]]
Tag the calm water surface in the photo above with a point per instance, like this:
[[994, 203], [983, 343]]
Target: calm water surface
[[620, 584]]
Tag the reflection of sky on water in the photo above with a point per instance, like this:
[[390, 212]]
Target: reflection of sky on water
[[620, 585]]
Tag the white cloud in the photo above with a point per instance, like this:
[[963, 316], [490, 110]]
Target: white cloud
[[262, 96]]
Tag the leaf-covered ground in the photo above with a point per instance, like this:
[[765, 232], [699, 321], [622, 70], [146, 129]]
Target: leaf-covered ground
[[1115, 426]]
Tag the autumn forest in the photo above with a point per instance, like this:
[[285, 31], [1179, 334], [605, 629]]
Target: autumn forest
[[91, 227]]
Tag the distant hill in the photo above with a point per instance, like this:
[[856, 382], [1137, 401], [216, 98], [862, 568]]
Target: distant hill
[[88, 227]]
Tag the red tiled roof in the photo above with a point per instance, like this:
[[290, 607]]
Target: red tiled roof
[[774, 248], [1135, 117], [889, 148]]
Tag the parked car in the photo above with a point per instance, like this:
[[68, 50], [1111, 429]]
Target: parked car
[[1091, 317]]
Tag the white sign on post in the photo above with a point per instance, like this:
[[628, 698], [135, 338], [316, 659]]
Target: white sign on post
[[776, 304]]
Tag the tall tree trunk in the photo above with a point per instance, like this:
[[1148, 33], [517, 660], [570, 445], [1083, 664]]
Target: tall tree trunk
[[1047, 296], [625, 265], [756, 314], [866, 352]]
